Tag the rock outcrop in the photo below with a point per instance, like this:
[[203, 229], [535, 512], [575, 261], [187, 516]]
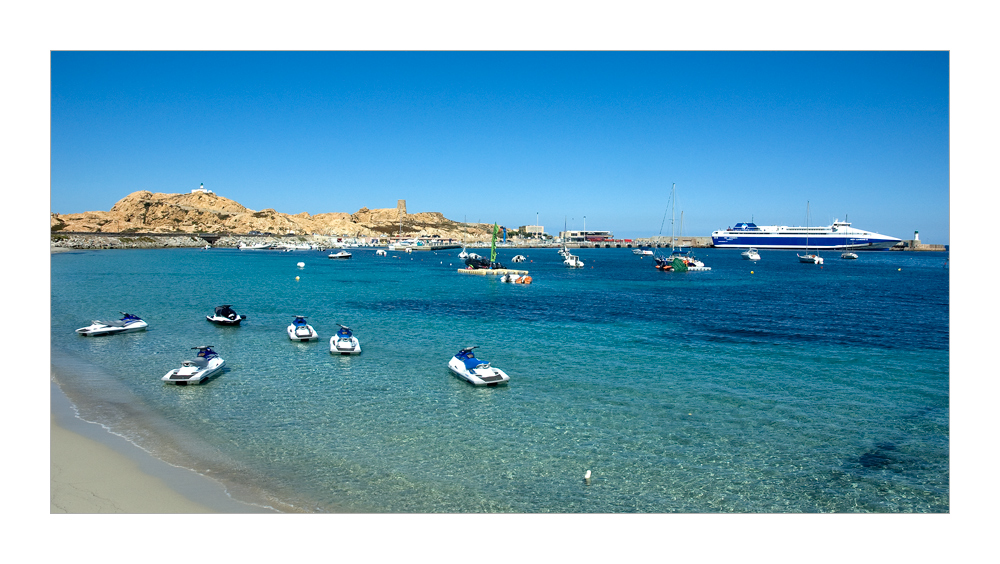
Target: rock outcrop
[[146, 212]]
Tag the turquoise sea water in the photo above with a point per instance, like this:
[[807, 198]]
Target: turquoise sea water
[[756, 387]]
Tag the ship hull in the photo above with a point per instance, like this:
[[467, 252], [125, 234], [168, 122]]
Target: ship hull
[[839, 236]]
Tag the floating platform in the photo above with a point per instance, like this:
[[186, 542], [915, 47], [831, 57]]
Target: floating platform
[[491, 271]]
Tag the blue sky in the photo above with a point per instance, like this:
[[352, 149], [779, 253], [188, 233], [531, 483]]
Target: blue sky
[[501, 136]]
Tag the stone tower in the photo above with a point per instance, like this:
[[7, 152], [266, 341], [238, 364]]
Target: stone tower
[[401, 206]]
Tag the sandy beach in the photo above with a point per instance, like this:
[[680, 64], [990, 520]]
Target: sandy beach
[[94, 471]]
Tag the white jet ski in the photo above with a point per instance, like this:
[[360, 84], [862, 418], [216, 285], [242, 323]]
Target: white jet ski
[[299, 330], [476, 371], [224, 315], [344, 342], [196, 371], [126, 324]]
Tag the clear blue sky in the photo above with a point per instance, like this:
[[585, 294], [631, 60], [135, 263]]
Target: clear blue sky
[[501, 136]]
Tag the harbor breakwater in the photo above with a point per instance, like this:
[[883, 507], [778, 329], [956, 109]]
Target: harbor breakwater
[[85, 241]]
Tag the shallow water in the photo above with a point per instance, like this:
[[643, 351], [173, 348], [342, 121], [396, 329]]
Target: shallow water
[[756, 387]]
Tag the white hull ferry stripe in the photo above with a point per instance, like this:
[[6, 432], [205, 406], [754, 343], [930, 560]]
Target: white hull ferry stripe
[[839, 235]]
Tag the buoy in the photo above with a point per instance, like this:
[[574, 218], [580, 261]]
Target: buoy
[[586, 477], [296, 277], [899, 269], [301, 265], [751, 272]]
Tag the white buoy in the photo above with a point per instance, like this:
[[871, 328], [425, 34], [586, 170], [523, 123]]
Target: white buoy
[[301, 265], [586, 477]]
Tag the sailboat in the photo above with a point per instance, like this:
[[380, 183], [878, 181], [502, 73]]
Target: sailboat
[[678, 261], [809, 258]]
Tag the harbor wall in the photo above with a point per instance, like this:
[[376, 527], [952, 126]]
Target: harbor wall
[[79, 240]]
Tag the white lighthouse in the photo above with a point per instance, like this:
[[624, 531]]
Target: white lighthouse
[[201, 189]]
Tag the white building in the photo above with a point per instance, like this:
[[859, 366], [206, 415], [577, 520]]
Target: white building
[[201, 189], [532, 230], [581, 236]]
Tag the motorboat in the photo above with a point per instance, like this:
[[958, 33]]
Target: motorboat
[[642, 252], [381, 253], [849, 255], [476, 371], [512, 278], [257, 247], [463, 254], [299, 330], [206, 363], [573, 261], [224, 315], [518, 258], [127, 324], [344, 342], [750, 254], [339, 255], [295, 247]]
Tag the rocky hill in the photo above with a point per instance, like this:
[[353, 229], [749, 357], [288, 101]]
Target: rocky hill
[[200, 212]]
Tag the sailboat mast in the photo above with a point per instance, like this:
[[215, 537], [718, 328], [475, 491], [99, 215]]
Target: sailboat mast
[[673, 202]]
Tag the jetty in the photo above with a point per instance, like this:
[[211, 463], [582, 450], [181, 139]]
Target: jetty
[[491, 271]]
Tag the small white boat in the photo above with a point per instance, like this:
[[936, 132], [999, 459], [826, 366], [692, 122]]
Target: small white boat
[[339, 255], [463, 254], [573, 261], [204, 365], [257, 247], [849, 255], [299, 330], [518, 258], [750, 254], [224, 315], [642, 252], [476, 371], [127, 324], [810, 258], [344, 342], [381, 253]]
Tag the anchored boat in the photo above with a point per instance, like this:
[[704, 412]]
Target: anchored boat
[[206, 363], [476, 371], [344, 342], [224, 315], [299, 330], [127, 324]]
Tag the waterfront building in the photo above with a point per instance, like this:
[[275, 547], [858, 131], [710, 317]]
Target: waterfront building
[[585, 236]]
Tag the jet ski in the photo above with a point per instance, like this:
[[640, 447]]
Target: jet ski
[[126, 324], [476, 371], [196, 371], [344, 342], [224, 315], [299, 330]]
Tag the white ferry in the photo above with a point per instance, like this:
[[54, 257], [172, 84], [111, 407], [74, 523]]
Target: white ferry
[[840, 235]]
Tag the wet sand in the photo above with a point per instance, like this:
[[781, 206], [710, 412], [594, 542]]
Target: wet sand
[[94, 471]]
